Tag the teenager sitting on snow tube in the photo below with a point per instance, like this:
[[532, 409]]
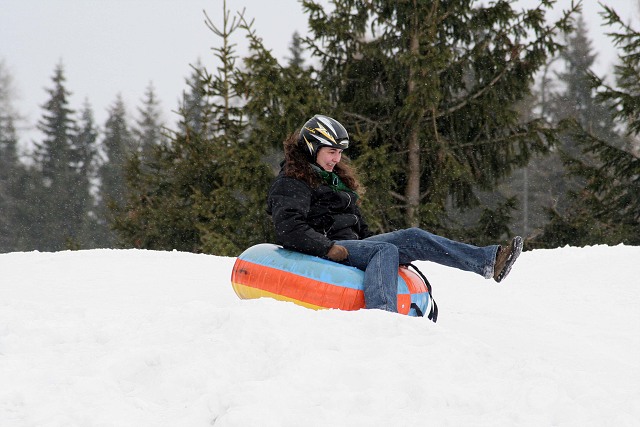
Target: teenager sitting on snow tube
[[314, 207]]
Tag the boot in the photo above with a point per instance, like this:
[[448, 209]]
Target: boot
[[505, 258]]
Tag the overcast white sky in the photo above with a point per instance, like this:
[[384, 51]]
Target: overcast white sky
[[121, 46]]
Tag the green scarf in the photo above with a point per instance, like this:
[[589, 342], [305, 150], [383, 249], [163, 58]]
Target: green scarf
[[332, 180]]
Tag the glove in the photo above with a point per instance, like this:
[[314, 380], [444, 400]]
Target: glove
[[337, 253]]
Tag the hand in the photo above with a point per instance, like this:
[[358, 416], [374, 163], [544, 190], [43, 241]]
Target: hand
[[337, 253]]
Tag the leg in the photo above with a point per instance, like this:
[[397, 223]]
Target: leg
[[379, 261], [417, 244]]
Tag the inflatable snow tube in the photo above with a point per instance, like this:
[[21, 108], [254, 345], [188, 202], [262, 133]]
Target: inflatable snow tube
[[268, 270]]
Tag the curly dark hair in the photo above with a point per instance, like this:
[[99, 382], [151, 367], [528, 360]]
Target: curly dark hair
[[296, 165]]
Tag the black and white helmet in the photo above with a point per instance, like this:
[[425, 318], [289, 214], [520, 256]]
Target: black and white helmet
[[322, 131]]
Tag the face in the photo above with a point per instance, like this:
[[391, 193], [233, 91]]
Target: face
[[328, 158]]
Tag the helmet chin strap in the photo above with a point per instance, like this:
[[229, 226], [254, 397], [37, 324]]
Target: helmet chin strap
[[311, 154]]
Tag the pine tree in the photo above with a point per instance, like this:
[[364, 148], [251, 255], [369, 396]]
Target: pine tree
[[568, 97], [205, 189], [296, 60], [429, 91], [275, 101], [195, 101], [17, 183], [430, 102], [60, 198], [85, 142], [553, 180], [607, 208], [86, 165], [118, 146], [195, 192], [148, 130], [11, 170], [150, 212], [54, 153], [577, 102]]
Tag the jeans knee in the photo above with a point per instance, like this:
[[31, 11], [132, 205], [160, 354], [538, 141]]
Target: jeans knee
[[388, 250], [414, 233]]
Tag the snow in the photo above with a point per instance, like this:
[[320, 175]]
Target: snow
[[146, 338]]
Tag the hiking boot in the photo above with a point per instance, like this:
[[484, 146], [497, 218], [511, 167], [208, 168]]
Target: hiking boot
[[505, 258]]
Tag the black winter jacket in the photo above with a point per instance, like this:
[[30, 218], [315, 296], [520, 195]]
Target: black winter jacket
[[310, 220]]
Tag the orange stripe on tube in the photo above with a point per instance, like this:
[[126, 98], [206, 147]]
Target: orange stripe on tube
[[247, 292], [294, 287]]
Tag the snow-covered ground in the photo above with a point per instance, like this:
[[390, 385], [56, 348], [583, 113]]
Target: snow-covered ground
[[144, 338]]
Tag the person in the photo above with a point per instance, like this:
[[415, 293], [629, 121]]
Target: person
[[313, 204]]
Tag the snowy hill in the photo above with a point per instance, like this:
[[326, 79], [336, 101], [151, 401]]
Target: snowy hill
[[143, 338]]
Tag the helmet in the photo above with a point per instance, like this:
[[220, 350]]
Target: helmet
[[322, 131]]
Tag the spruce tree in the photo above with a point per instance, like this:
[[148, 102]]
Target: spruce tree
[[296, 49], [578, 103], [86, 165], [153, 211], [11, 170], [17, 183], [60, 198], [85, 142], [564, 96], [607, 208], [149, 125], [275, 101], [429, 92], [279, 99], [194, 104], [118, 146], [190, 194], [205, 190]]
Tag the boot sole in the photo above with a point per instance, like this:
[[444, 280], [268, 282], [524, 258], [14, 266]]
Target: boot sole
[[515, 253]]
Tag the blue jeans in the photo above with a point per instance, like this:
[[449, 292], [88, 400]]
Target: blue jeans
[[379, 257]]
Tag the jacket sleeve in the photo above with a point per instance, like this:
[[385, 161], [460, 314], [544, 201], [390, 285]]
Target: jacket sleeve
[[288, 203]]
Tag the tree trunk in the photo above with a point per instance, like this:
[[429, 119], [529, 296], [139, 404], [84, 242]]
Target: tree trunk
[[412, 190]]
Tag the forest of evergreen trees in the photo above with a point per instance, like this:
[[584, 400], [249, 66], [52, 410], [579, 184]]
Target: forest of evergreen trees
[[472, 121]]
